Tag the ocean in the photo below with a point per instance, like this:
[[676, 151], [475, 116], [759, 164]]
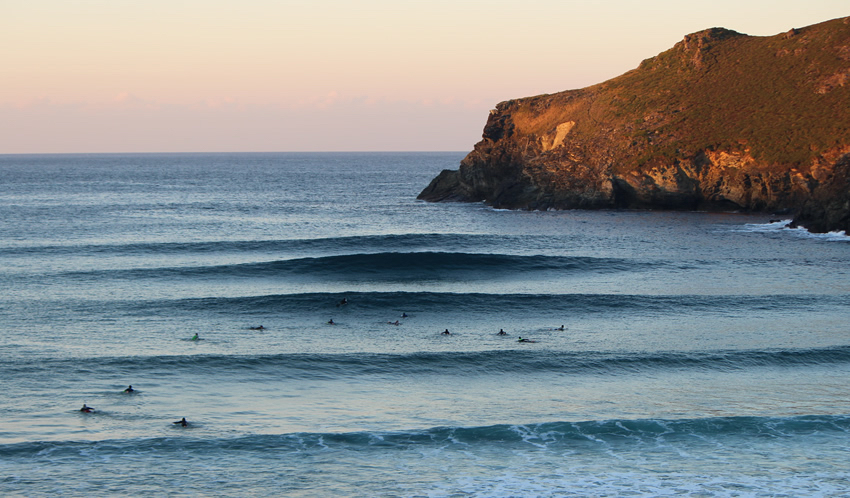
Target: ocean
[[667, 353]]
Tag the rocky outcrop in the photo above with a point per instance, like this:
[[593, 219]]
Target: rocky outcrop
[[722, 121], [829, 207]]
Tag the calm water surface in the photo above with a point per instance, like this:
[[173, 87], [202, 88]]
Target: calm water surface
[[702, 354]]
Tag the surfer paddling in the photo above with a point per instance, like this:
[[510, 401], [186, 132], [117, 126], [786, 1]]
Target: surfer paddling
[[182, 422], [86, 409]]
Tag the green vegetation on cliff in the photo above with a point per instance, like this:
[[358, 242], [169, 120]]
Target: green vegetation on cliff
[[782, 97], [785, 98]]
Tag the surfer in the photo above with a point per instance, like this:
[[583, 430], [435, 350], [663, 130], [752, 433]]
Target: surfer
[[404, 315], [525, 340], [446, 332], [343, 302], [129, 389], [394, 323], [502, 332], [331, 322], [86, 409], [181, 422], [195, 337], [560, 328], [257, 328]]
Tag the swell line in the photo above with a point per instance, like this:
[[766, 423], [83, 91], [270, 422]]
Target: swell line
[[361, 243], [394, 265], [366, 302], [557, 436], [336, 366]]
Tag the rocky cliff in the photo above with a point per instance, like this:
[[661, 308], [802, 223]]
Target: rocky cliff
[[722, 121]]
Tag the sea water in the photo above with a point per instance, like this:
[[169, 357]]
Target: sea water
[[702, 354]]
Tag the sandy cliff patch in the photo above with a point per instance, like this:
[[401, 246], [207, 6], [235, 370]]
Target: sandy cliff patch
[[555, 140]]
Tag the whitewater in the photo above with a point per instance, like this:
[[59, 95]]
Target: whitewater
[[670, 354]]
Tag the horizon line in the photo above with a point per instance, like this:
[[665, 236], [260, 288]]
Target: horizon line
[[389, 151]]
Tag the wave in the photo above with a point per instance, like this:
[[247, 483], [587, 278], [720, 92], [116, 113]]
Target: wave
[[402, 242], [781, 227], [447, 302], [335, 366], [400, 266], [557, 436]]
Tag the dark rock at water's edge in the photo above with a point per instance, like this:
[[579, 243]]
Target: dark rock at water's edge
[[722, 121], [828, 209]]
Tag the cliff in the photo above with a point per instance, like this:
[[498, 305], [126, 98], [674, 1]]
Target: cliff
[[721, 121]]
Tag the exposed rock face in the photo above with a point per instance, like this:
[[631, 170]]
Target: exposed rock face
[[829, 208], [722, 121]]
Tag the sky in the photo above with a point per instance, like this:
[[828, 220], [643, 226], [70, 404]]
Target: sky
[[80, 76]]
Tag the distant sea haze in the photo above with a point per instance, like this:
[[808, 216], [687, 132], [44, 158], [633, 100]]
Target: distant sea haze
[[701, 354]]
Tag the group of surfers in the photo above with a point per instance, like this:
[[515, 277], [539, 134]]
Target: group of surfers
[[87, 409], [502, 332], [446, 332], [344, 301], [183, 423]]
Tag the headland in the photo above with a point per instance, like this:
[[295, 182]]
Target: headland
[[722, 121]]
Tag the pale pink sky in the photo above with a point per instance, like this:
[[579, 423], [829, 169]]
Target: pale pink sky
[[322, 75]]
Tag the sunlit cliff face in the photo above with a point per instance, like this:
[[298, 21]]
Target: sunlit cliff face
[[721, 121]]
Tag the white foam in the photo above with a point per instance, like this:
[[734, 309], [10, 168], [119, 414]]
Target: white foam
[[781, 226]]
